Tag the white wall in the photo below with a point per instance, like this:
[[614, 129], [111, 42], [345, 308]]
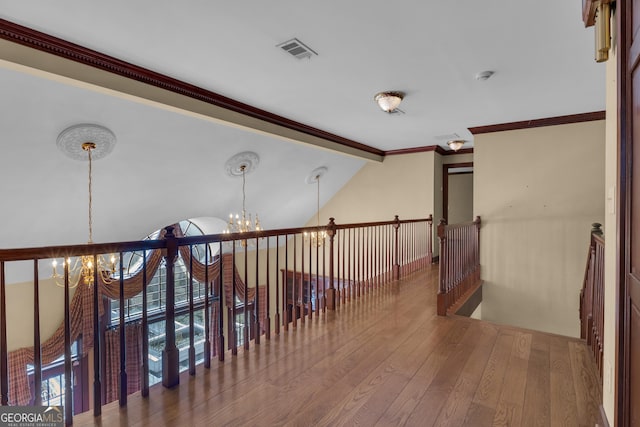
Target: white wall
[[537, 191]]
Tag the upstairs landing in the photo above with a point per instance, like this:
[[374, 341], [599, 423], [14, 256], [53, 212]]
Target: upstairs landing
[[385, 360]]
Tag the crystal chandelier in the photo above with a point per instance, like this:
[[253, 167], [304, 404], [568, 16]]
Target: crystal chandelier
[[317, 238], [240, 165], [81, 142]]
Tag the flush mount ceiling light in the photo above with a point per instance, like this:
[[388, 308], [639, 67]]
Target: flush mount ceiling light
[[456, 144], [389, 101]]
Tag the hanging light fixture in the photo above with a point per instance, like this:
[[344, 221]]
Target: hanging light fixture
[[456, 144], [86, 142], [389, 101], [318, 237], [240, 165]]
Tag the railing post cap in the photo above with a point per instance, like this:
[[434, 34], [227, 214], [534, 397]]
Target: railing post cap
[[595, 228], [442, 221]]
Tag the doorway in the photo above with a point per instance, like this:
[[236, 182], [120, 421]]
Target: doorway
[[457, 192]]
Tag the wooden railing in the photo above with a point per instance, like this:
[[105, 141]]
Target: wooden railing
[[592, 296], [459, 263], [264, 281]]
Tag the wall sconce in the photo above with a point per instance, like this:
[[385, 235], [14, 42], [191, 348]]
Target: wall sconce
[[603, 31]]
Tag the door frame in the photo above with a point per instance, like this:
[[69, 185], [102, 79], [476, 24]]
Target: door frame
[[445, 185], [623, 210]]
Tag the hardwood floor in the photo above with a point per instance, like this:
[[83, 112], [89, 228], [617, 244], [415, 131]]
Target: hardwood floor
[[385, 360]]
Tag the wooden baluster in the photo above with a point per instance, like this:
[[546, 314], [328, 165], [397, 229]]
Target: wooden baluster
[[396, 265], [277, 318], [192, 347], [233, 329], [324, 275], [4, 366], [97, 345], [207, 317], [122, 389], [318, 276], [221, 299], [350, 280], [68, 390], [245, 308], [303, 303], [331, 292], [37, 353], [344, 267], [443, 267], [267, 320], [285, 286], [257, 327], [294, 296], [145, 329]]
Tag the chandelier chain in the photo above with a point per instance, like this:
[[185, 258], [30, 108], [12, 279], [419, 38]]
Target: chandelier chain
[[90, 199], [243, 194], [318, 202]]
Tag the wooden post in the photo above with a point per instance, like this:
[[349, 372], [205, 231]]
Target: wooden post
[[4, 369], [170, 354], [331, 292], [396, 261], [442, 287]]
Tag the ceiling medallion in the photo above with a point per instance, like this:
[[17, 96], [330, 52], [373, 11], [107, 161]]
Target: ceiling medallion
[[71, 140], [242, 163]]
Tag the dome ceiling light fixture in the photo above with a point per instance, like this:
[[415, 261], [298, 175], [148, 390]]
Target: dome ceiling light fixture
[[484, 75], [389, 101], [456, 144]]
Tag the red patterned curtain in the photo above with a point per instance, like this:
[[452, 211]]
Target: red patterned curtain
[[133, 360]]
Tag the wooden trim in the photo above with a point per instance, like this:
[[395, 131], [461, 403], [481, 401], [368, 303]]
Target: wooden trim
[[437, 148], [469, 302], [603, 421], [44, 42], [548, 121], [624, 115]]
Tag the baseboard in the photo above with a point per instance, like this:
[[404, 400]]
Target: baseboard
[[603, 421]]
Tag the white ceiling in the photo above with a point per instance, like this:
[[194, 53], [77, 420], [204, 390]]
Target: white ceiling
[[541, 54]]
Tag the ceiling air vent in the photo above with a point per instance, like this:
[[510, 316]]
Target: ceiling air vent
[[298, 49]]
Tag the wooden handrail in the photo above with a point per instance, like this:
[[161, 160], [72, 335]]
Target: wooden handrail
[[353, 260], [459, 268], [592, 297]]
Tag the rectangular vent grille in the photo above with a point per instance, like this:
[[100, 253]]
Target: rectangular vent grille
[[298, 49]]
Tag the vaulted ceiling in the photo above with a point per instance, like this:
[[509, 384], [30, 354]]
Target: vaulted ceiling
[[540, 52]]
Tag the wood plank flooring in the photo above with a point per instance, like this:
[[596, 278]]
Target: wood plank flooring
[[384, 359]]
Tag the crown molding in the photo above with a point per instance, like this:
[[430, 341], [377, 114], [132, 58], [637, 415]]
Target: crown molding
[[46, 43], [548, 121]]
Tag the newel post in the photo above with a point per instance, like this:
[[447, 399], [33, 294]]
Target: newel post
[[170, 354], [442, 276], [595, 228], [331, 292], [396, 261]]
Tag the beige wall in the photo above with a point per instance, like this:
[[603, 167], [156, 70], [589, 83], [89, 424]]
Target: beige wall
[[20, 312], [401, 185], [537, 191], [611, 172], [460, 198]]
